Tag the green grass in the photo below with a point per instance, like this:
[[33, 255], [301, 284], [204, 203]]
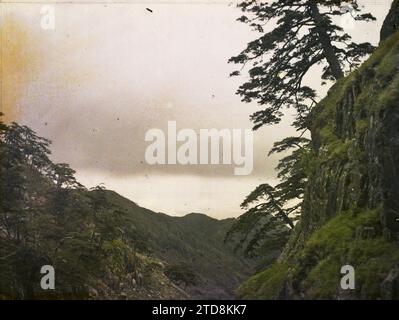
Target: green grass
[[265, 285], [335, 244], [375, 95], [340, 242]]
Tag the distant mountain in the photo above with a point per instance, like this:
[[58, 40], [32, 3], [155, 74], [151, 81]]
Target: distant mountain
[[193, 242]]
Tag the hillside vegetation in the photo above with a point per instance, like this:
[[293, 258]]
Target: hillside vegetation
[[350, 210], [100, 244]]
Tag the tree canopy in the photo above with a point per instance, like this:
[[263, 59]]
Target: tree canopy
[[47, 217], [306, 34]]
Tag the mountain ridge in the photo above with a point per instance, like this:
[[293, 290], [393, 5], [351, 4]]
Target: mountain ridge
[[195, 241]]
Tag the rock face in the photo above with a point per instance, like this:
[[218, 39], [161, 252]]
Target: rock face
[[356, 146], [353, 185], [350, 214], [391, 23]]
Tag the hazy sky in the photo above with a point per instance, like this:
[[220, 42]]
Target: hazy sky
[[109, 72]]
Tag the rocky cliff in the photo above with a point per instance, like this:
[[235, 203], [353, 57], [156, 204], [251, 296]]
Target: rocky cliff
[[350, 214], [391, 23]]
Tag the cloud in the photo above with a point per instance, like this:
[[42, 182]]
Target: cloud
[[103, 87]]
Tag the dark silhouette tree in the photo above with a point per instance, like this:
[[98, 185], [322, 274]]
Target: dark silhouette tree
[[63, 176], [305, 36], [264, 200]]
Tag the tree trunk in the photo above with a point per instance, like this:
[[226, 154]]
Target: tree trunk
[[325, 40], [285, 217]]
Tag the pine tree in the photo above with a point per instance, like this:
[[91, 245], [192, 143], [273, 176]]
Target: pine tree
[[264, 197], [305, 36]]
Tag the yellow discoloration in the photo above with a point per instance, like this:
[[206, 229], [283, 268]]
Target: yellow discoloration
[[19, 64]]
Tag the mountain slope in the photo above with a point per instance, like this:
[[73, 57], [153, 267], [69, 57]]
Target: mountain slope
[[194, 242]]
